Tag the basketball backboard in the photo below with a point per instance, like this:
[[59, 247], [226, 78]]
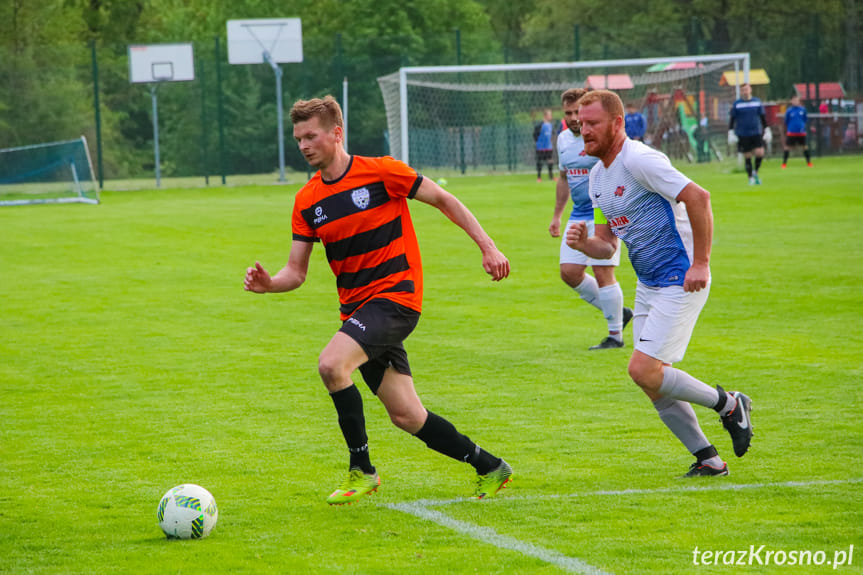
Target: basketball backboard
[[249, 40], [161, 63]]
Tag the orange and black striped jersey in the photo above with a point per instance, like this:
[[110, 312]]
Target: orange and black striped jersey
[[363, 221]]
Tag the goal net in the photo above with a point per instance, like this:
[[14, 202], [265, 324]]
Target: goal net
[[483, 117], [55, 172]]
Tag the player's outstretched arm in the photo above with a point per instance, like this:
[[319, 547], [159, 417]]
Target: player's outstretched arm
[[292, 276], [697, 201], [561, 195], [493, 261]]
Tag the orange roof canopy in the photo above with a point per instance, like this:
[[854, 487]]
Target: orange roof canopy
[[615, 82], [826, 90]]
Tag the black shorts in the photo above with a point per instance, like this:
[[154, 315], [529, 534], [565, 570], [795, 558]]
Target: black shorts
[[543, 156], [795, 140], [749, 143], [380, 326]]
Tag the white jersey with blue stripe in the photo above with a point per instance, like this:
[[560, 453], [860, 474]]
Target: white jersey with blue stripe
[[576, 164], [637, 195]]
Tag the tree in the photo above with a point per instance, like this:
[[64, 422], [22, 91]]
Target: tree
[[41, 95]]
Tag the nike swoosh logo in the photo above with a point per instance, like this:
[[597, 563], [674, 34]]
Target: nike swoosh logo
[[744, 423], [642, 339]]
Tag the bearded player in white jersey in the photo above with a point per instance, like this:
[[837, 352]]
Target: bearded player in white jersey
[[601, 290], [666, 221]]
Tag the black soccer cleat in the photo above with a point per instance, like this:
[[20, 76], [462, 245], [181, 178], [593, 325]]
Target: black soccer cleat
[[738, 423], [699, 469], [607, 343], [627, 317]]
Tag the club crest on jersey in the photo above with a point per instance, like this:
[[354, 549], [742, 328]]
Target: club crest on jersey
[[360, 197], [619, 191]]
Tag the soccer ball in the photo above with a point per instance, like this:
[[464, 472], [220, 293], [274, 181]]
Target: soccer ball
[[441, 181], [187, 512]]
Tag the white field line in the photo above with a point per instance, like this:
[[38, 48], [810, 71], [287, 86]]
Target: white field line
[[492, 537], [421, 509], [675, 489]]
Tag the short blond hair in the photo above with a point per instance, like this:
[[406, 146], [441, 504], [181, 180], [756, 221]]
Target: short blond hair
[[572, 95], [326, 109], [609, 100]]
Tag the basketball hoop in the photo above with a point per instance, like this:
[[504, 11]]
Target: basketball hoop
[[272, 41], [157, 63]]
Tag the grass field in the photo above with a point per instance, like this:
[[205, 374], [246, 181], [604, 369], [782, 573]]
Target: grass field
[[131, 360]]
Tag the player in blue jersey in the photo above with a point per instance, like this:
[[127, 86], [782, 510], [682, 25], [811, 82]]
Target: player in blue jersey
[[666, 221], [636, 125], [795, 130], [748, 128], [543, 134], [602, 289]]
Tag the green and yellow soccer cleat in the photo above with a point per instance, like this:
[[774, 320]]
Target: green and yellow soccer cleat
[[489, 484], [355, 486]]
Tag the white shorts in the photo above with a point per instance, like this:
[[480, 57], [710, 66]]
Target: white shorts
[[663, 320], [571, 256]]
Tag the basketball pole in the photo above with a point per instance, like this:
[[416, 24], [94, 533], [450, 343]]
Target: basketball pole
[[278, 72], [280, 41], [154, 64], [153, 88]]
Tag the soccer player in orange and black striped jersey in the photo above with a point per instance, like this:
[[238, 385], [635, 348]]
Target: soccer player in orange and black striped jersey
[[357, 208]]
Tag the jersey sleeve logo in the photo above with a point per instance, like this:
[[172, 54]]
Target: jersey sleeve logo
[[360, 197], [619, 191]]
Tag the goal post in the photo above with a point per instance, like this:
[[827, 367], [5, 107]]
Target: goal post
[[54, 172], [481, 117]]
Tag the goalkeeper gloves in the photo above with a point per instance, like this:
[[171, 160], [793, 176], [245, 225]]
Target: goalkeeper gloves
[[732, 138], [768, 135]]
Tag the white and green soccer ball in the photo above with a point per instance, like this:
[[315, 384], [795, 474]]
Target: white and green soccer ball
[[187, 511], [441, 181]]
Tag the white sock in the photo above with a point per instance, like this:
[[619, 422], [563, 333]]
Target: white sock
[[588, 289], [715, 462], [680, 385], [611, 304], [730, 404]]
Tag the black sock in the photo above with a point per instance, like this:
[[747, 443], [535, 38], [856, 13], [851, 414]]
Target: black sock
[[349, 406], [538, 171], [442, 436], [706, 453], [757, 163], [806, 154], [749, 167], [721, 400], [785, 157]]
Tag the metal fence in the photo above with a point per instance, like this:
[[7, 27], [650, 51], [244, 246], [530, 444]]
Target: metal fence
[[225, 122]]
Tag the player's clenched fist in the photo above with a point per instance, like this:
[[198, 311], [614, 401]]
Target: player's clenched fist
[[576, 234]]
